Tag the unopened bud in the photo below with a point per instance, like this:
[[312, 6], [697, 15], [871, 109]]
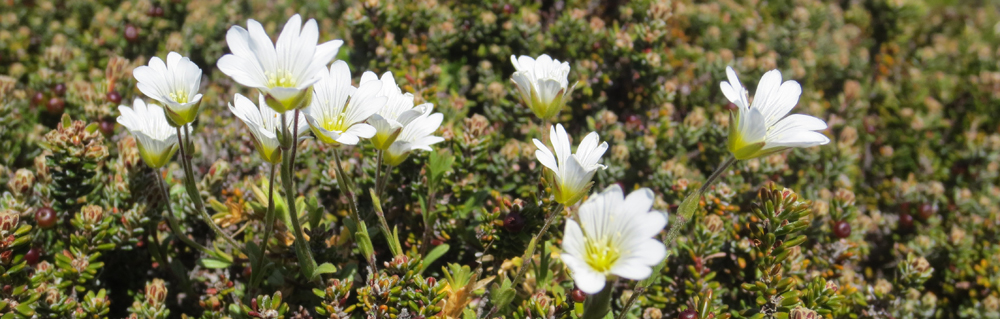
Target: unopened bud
[[92, 215], [22, 183], [156, 292], [8, 221]]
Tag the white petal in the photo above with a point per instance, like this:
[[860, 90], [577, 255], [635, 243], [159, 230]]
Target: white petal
[[782, 103], [588, 280], [545, 157], [767, 91]]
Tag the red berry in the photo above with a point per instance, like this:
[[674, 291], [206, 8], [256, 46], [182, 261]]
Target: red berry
[[688, 314], [114, 97], [131, 33], [842, 229], [927, 210], [107, 126], [578, 295], [33, 255], [905, 221], [247, 271], [59, 89], [55, 106], [45, 217], [38, 98], [513, 222]]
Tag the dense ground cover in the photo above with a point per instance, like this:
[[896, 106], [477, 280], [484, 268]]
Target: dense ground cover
[[896, 217]]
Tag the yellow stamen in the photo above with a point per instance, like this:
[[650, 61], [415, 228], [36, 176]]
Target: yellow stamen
[[601, 254], [280, 78]]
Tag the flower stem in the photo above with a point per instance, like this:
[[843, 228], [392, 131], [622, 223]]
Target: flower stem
[[425, 241], [269, 215], [637, 291], [288, 148], [378, 172], [597, 306], [172, 219], [192, 188], [690, 203], [346, 186]]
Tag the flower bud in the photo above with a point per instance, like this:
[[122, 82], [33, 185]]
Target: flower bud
[[802, 313], [8, 222], [22, 183], [91, 215], [156, 292]]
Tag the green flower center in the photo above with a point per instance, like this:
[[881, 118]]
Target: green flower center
[[281, 78], [336, 124], [601, 254], [179, 96]]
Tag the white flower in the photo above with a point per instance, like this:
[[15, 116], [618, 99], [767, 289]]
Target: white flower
[[156, 138], [570, 174], [338, 109], [762, 128], [175, 84], [397, 112], [265, 125], [614, 236], [415, 136], [282, 71], [542, 84]]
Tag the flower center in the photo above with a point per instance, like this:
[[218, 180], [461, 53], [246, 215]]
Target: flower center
[[281, 78], [336, 124], [601, 254], [179, 96]]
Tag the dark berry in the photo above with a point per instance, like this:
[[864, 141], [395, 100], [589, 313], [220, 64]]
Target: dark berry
[[59, 89], [905, 221], [842, 229], [131, 33], [46, 217], [114, 97], [155, 11], [513, 222], [33, 255], [107, 126], [927, 210], [688, 314], [578, 295], [38, 98], [55, 106], [247, 271]]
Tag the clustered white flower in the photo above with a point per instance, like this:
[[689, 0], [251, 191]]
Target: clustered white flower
[[611, 235]]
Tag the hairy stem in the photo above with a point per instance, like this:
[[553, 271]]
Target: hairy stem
[[269, 215], [288, 148], [346, 187], [596, 306], [192, 188], [172, 219], [526, 259]]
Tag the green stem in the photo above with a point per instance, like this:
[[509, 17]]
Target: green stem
[[269, 215], [425, 241], [690, 203], [378, 173], [192, 188], [637, 291], [346, 187], [172, 219], [526, 259], [597, 306], [306, 262]]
